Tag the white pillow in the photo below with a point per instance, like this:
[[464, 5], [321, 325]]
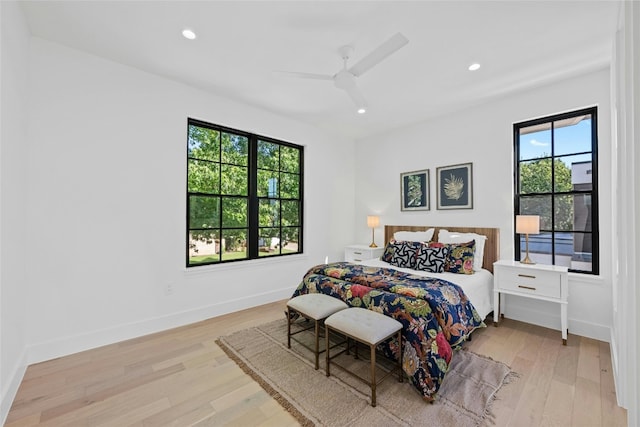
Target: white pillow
[[445, 236], [414, 236]]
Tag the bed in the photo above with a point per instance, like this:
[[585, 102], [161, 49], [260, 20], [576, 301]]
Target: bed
[[479, 286], [436, 313]]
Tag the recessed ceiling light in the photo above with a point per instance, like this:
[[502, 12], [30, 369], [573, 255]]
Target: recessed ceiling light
[[474, 67], [188, 34], [362, 110]]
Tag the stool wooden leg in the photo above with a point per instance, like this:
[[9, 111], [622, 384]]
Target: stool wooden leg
[[401, 374], [326, 340], [317, 327], [373, 375], [288, 327]]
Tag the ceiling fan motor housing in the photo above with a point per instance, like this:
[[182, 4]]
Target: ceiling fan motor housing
[[344, 80]]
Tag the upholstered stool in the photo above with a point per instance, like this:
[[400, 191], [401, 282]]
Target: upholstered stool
[[316, 307], [368, 327]]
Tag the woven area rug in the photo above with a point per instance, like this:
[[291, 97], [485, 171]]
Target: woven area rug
[[464, 398]]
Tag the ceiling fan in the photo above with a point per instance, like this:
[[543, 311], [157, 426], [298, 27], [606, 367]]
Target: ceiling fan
[[345, 79]]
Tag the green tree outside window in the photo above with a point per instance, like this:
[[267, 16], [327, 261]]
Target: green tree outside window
[[224, 181]]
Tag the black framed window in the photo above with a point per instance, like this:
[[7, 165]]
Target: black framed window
[[244, 195], [556, 178]]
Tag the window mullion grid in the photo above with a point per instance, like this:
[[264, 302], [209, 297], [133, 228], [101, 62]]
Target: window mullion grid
[[592, 111], [188, 234], [595, 213], [279, 197], [518, 185], [300, 199], [553, 193], [253, 202], [220, 209]]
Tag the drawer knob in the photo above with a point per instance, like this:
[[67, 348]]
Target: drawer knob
[[527, 287], [357, 253], [528, 276]]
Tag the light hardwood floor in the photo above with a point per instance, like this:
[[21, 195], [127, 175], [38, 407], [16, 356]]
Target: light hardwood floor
[[181, 377]]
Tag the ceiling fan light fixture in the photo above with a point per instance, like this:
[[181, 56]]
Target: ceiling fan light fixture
[[362, 110], [188, 33], [473, 67]]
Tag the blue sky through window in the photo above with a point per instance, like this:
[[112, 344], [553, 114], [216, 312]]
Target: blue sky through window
[[568, 139]]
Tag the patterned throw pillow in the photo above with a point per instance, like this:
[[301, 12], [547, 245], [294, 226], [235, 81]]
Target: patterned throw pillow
[[389, 250], [460, 258], [405, 253], [431, 259], [446, 236]]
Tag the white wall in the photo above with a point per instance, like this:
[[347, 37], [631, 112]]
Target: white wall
[[106, 204], [483, 135], [14, 40]]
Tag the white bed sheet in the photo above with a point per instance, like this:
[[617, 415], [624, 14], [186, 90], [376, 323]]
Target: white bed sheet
[[478, 287]]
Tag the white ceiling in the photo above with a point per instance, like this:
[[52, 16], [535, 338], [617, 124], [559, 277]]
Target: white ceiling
[[241, 45]]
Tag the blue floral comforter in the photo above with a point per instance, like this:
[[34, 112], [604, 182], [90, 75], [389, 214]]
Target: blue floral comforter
[[436, 315]]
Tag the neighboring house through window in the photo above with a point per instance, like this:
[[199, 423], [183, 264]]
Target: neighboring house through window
[[556, 178], [244, 195]]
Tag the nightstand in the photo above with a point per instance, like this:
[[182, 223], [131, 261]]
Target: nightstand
[[359, 253], [538, 281]]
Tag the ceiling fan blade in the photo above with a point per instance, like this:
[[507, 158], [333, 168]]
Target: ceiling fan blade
[[356, 96], [308, 75], [379, 54]]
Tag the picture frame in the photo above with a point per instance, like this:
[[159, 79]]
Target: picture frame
[[414, 191], [454, 186]]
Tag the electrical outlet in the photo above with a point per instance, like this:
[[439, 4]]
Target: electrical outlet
[[168, 290]]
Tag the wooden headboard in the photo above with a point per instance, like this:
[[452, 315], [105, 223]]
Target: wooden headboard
[[491, 246]]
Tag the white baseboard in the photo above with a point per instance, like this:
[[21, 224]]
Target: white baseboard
[[552, 321], [10, 391], [589, 330], [74, 344]]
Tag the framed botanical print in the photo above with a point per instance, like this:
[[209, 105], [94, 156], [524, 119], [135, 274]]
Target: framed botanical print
[[455, 186], [414, 191]]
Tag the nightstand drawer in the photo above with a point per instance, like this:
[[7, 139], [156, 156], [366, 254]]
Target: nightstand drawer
[[537, 282], [359, 253]]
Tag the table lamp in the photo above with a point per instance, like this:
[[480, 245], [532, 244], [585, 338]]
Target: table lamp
[[527, 224], [372, 222]]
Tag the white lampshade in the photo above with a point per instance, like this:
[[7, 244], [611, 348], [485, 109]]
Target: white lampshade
[[373, 221], [527, 224]]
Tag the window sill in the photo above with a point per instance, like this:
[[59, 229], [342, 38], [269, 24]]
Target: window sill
[[206, 269], [586, 278]]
